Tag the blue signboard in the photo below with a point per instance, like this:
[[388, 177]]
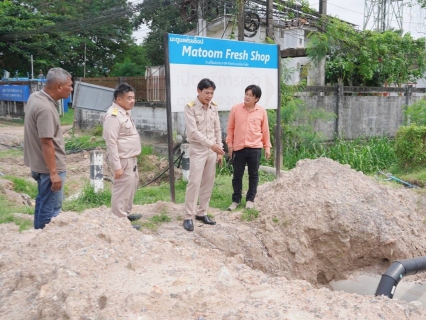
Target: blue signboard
[[18, 93], [219, 52]]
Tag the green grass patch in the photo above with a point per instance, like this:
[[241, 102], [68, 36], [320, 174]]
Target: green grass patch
[[155, 221], [21, 185], [15, 152], [67, 118], [83, 142], [368, 155], [250, 214], [7, 213], [88, 199]]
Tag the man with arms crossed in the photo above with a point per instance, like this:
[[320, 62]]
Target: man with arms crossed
[[124, 145], [44, 147], [248, 132], [205, 150]]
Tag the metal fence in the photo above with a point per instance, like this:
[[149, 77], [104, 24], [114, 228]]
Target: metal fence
[[146, 89]]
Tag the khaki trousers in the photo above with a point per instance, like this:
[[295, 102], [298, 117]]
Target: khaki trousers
[[124, 188], [201, 179]]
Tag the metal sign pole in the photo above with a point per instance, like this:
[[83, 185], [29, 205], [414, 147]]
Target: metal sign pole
[[169, 118]]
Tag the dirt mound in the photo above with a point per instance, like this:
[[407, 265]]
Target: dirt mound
[[95, 266], [323, 219]]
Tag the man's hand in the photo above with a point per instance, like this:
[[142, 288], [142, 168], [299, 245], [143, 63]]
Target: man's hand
[[216, 148], [267, 154], [118, 173], [219, 159], [230, 150], [56, 182]]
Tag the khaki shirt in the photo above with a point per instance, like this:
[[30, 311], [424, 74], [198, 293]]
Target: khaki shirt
[[203, 125], [121, 136]]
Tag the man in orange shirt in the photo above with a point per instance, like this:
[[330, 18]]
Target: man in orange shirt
[[248, 133]]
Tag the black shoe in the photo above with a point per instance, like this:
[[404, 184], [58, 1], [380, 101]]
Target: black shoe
[[136, 226], [205, 219], [188, 225], [134, 216]]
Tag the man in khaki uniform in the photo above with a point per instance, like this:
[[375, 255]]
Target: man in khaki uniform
[[205, 150], [124, 145]]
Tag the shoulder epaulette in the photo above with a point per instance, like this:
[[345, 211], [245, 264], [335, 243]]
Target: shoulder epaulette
[[213, 103], [191, 104], [114, 112]]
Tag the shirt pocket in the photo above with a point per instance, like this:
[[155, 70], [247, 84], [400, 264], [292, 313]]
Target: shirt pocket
[[255, 125], [126, 128], [199, 118]]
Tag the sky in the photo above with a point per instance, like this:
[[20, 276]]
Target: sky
[[414, 19]]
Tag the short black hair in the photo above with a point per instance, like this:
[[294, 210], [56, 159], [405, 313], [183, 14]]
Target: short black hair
[[206, 83], [122, 89], [257, 92]]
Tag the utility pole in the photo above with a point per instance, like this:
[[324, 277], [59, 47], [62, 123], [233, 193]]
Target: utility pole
[[201, 23], [323, 7], [270, 19], [84, 73], [240, 20]]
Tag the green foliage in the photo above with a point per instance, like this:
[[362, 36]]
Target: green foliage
[[60, 33], [23, 186], [155, 221], [410, 147], [67, 118], [131, 62], [367, 155], [367, 57], [87, 199], [250, 214], [416, 113], [84, 142], [159, 18], [7, 213]]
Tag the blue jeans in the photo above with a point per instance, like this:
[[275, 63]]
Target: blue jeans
[[48, 202]]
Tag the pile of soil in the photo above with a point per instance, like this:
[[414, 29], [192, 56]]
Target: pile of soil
[[319, 221]]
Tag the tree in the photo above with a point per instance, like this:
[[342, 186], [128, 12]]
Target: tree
[[131, 62], [367, 57], [58, 33], [160, 17]]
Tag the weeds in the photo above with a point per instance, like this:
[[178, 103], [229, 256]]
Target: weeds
[[21, 185], [250, 214], [155, 221], [87, 199]]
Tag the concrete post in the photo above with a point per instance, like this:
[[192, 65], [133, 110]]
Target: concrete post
[[96, 171], [184, 149]]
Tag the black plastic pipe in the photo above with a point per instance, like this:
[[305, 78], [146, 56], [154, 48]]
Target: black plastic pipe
[[396, 272]]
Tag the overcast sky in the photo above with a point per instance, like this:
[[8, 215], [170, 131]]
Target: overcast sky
[[414, 19]]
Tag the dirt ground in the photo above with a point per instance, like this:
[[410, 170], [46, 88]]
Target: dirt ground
[[319, 222]]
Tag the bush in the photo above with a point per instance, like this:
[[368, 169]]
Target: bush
[[410, 146], [416, 113]]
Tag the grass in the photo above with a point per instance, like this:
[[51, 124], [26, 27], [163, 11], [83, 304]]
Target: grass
[[155, 221], [7, 213], [88, 199], [363, 154], [21, 185], [84, 142], [250, 214], [68, 118]]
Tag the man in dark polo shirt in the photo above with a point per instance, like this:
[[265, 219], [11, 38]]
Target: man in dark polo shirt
[[44, 147]]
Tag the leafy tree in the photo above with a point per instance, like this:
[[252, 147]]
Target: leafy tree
[[61, 33], [367, 57], [132, 62], [160, 17]]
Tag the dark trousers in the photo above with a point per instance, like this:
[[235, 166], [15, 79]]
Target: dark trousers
[[251, 157]]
